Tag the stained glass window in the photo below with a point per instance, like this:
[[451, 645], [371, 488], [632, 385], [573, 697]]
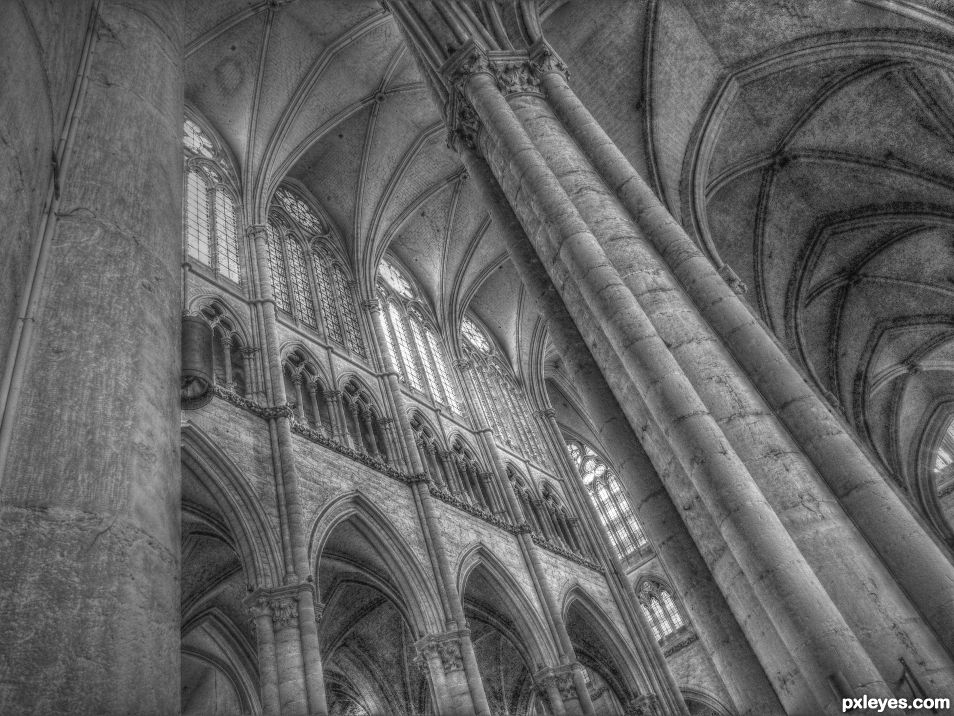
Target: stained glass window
[[276, 262], [504, 404], [210, 213], [605, 489], [196, 141], [298, 273], [660, 609], [299, 211], [420, 352], [346, 307], [474, 335]]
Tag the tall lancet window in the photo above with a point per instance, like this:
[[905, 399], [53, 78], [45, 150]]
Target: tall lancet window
[[308, 280], [605, 490], [413, 341], [210, 217], [660, 609], [503, 401]]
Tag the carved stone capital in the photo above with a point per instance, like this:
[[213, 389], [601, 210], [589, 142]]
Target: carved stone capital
[[417, 477], [256, 232], [463, 124], [463, 364], [468, 61], [446, 647], [547, 413], [515, 75], [546, 60], [280, 603], [643, 705], [372, 305], [333, 395]]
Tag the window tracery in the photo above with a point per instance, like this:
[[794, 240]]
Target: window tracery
[[606, 491], [547, 516], [228, 354], [414, 344], [308, 282], [306, 393], [364, 422], [660, 610], [504, 403], [210, 213]]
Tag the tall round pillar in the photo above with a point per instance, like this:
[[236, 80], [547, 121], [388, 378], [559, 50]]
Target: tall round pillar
[[90, 487]]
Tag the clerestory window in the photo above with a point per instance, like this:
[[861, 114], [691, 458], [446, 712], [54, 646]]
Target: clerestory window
[[660, 609], [210, 216], [415, 346], [606, 492], [308, 280], [499, 395]]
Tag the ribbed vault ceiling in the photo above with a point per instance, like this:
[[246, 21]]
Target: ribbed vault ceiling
[[807, 144]]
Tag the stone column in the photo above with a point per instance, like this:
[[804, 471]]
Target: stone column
[[89, 430], [338, 422], [862, 488], [357, 442], [372, 446], [830, 542], [310, 676], [437, 550], [810, 624], [315, 409], [716, 627], [445, 658], [267, 659], [297, 380]]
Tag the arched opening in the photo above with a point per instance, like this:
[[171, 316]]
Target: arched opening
[[505, 655], [369, 626], [219, 668], [942, 472], [602, 656]]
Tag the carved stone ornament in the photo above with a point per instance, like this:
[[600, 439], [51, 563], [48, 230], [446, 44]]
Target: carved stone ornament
[[446, 647], [643, 705], [451, 658], [732, 278], [463, 123], [546, 60], [566, 687], [284, 611], [469, 60], [516, 77], [256, 231]]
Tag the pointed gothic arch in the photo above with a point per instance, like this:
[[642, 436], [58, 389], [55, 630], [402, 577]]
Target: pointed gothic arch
[[254, 536], [416, 589]]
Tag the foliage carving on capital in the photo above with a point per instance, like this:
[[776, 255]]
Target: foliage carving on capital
[[643, 705], [566, 687], [516, 77], [256, 231], [451, 658], [546, 60], [445, 647], [284, 610], [468, 61], [463, 123]]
